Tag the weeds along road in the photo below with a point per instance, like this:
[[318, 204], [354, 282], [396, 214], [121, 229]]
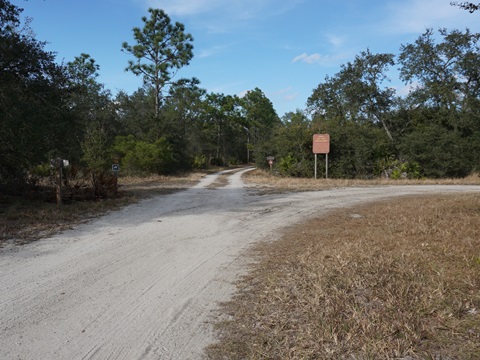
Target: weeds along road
[[144, 282]]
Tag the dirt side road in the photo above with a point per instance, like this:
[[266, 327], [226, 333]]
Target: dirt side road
[[142, 283]]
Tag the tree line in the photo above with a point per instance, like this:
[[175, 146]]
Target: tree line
[[50, 110]]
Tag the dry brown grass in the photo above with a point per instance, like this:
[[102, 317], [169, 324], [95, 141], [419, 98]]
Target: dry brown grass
[[266, 182], [393, 280]]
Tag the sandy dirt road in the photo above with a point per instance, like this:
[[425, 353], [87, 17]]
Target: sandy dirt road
[[143, 282]]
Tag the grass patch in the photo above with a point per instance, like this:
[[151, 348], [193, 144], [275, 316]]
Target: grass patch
[[398, 279], [265, 182]]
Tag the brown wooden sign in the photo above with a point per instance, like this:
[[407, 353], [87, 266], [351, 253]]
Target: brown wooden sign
[[321, 143]]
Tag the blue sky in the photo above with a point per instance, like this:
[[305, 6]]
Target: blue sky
[[284, 47]]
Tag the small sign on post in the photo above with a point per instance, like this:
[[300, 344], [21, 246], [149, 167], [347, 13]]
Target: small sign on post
[[115, 169], [321, 145], [270, 161]]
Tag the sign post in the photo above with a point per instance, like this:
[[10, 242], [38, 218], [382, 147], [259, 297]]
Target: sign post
[[270, 161], [321, 145], [58, 164], [115, 170]]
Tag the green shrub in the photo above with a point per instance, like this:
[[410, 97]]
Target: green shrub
[[144, 157], [200, 162]]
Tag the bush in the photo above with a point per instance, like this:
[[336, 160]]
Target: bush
[[200, 162], [392, 168], [143, 157]]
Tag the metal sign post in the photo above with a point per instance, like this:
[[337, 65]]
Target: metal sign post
[[326, 166]]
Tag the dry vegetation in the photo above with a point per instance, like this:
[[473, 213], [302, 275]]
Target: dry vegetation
[[25, 219], [266, 182], [391, 280]]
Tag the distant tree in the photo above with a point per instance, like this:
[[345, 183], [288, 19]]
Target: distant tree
[[182, 120], [446, 73], [83, 71], [291, 146], [356, 93], [161, 49], [260, 119], [444, 131], [135, 114], [471, 7], [93, 110], [222, 128]]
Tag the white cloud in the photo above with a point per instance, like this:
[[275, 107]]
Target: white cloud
[[243, 93], [285, 95], [309, 59], [415, 16], [185, 7], [234, 9], [335, 40], [204, 53], [325, 60]]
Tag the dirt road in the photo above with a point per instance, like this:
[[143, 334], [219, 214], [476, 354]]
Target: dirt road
[[142, 283]]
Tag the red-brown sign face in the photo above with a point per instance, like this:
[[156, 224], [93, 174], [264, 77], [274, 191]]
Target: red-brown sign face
[[321, 143]]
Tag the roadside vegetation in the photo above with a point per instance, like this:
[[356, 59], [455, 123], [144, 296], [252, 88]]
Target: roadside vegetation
[[24, 219], [398, 279], [53, 110], [35, 215], [266, 181]]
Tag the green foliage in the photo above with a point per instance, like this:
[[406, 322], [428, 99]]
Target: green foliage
[[49, 111], [200, 162], [42, 170], [291, 144], [355, 94], [291, 166], [354, 147], [34, 118], [161, 49], [396, 169], [260, 118], [286, 165], [440, 152], [95, 149], [142, 157]]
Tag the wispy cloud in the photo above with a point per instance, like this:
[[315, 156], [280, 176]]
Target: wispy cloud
[[336, 41], [414, 16], [208, 52], [309, 59], [234, 9], [324, 60], [285, 94], [185, 7]]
